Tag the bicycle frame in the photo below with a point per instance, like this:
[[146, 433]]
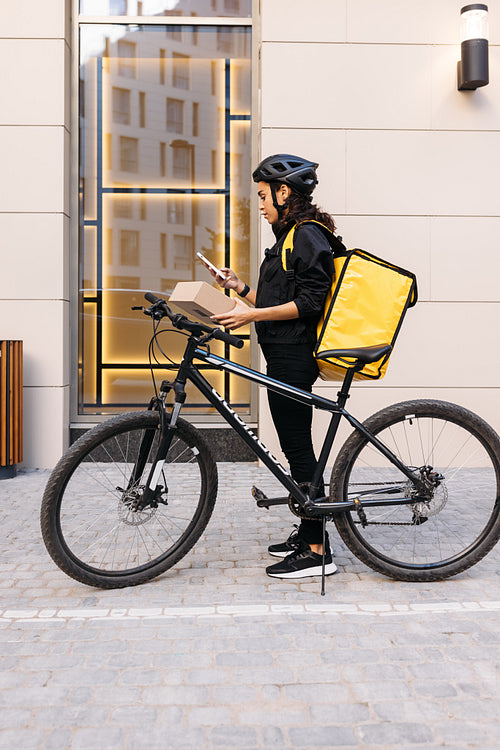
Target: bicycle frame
[[308, 501]]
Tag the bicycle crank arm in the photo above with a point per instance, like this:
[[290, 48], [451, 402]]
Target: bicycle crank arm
[[265, 502]]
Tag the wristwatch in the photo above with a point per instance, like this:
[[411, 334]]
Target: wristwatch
[[244, 291]]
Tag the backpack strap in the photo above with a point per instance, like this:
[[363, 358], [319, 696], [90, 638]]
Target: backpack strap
[[338, 248]]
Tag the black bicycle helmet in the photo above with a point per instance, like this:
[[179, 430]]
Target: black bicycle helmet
[[294, 171]]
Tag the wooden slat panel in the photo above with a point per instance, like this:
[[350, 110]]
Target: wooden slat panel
[[3, 404], [11, 402]]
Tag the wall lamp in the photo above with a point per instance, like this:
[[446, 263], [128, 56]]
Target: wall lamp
[[472, 69]]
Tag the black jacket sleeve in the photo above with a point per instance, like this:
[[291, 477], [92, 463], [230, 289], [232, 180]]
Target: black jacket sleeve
[[312, 262]]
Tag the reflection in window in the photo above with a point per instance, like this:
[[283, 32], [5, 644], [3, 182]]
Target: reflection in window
[[142, 109], [108, 150], [221, 8], [124, 282], [129, 154], [163, 66], [174, 33], [122, 206], [175, 115], [182, 252], [214, 167], [180, 71], [126, 59], [121, 106], [163, 250], [117, 7], [163, 159], [181, 158], [196, 116], [175, 211], [224, 40], [129, 247]]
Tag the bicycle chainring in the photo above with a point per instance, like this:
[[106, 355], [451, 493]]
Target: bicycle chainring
[[294, 505]]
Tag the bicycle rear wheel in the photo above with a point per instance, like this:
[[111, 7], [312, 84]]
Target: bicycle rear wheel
[[91, 523], [458, 456]]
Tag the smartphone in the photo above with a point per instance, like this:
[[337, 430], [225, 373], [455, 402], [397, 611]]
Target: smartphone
[[211, 265]]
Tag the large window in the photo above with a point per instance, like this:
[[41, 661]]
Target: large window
[[164, 172]]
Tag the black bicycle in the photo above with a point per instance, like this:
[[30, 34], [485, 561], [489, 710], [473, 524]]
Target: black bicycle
[[413, 493]]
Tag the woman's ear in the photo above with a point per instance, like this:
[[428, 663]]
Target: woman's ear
[[285, 192]]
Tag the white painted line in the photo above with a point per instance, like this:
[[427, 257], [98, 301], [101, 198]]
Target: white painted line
[[362, 609]]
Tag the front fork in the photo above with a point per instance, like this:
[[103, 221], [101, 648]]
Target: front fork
[[167, 426]]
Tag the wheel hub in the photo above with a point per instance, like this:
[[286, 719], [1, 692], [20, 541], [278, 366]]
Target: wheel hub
[[437, 495]]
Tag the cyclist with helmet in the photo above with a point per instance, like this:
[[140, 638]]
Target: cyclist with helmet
[[285, 309]]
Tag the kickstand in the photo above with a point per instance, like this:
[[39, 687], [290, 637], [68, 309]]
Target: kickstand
[[323, 558]]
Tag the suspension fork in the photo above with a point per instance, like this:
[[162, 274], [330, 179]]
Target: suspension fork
[[167, 427]]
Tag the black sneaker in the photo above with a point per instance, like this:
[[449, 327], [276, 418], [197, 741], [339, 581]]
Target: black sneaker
[[291, 544], [302, 563], [284, 549]]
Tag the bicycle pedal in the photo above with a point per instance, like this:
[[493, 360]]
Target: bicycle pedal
[[260, 497]]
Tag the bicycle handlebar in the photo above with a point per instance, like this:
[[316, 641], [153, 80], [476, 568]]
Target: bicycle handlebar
[[180, 321]]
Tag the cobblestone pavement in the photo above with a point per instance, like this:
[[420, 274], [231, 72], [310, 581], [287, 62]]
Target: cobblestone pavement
[[215, 654]]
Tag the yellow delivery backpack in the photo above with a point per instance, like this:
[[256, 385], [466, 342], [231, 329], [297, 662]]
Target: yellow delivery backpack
[[365, 306]]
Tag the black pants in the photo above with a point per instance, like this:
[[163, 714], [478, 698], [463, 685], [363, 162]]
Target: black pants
[[295, 365]]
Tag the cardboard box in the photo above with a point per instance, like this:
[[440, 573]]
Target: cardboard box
[[199, 300]]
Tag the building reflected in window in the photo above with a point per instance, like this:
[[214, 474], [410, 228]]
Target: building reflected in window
[[165, 171]]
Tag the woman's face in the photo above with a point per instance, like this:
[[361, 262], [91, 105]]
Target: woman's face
[[266, 206]]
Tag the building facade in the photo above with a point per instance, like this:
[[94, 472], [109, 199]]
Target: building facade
[[129, 131]]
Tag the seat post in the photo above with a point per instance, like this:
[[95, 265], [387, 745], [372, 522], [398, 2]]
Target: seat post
[[343, 394]]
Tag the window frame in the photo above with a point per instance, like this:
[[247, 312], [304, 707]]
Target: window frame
[[79, 20]]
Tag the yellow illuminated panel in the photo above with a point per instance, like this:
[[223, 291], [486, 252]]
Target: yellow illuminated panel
[[88, 328], [122, 386]]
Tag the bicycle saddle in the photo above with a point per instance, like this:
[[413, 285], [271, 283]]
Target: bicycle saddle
[[364, 354]]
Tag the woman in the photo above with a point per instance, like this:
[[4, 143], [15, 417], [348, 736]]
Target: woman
[[286, 312]]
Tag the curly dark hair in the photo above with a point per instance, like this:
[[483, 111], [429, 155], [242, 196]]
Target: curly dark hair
[[300, 208]]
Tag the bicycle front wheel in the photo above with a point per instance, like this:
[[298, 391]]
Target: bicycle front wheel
[[457, 455], [92, 521]]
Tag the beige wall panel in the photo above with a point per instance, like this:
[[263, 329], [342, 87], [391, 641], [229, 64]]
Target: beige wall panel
[[415, 173], [43, 327], [33, 93], [33, 256], [430, 349], [330, 86], [412, 21], [463, 173], [404, 240], [285, 21], [33, 19], [326, 146], [465, 259], [46, 426], [32, 161], [463, 110]]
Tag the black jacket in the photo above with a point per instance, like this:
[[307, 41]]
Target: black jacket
[[312, 263]]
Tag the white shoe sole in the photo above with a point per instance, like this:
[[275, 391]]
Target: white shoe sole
[[330, 568]]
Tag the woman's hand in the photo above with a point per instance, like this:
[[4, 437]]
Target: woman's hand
[[240, 315], [231, 281]]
